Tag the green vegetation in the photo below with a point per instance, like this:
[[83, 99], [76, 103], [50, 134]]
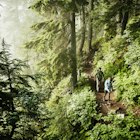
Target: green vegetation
[[116, 128], [54, 97]]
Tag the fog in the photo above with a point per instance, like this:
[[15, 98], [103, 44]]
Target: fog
[[15, 22]]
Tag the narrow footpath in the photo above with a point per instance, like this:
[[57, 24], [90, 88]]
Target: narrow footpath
[[109, 107], [105, 107]]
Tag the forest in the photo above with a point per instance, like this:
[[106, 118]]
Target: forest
[[50, 54]]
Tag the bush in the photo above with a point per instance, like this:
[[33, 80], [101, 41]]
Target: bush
[[69, 114], [127, 86], [115, 128], [81, 108], [127, 82], [110, 56], [57, 123]]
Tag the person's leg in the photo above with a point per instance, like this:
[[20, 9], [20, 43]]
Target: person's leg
[[97, 85], [104, 95], [109, 96]]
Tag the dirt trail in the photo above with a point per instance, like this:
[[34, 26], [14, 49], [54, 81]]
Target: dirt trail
[[104, 106], [112, 106]]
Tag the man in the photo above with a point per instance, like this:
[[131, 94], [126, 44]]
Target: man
[[99, 79], [107, 87]]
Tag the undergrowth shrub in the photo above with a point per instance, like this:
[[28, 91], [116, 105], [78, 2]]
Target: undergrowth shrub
[[110, 56], [115, 128], [81, 108], [127, 82], [127, 86], [69, 114]]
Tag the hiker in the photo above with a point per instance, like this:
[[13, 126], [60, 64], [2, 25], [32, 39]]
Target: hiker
[[107, 87], [99, 79]]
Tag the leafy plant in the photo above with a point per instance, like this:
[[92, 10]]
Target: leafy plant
[[116, 128]]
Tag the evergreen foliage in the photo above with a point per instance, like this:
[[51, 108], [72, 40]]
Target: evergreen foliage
[[73, 39], [18, 102]]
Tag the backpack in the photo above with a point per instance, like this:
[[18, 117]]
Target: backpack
[[100, 75]]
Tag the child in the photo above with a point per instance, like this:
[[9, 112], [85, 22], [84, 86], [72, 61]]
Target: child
[[107, 87]]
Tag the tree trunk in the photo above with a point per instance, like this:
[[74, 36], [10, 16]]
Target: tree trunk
[[136, 8], [90, 26], [120, 12], [12, 104], [83, 32], [124, 21], [14, 124], [73, 48], [125, 16]]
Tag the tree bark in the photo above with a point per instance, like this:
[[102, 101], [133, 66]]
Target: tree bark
[[90, 26], [125, 16], [124, 21], [83, 32], [73, 48], [14, 124], [136, 9], [12, 104], [120, 12]]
